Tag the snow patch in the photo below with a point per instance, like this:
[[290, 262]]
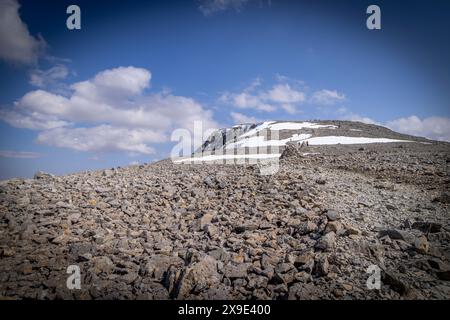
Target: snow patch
[[258, 141], [299, 126], [286, 126], [349, 140]]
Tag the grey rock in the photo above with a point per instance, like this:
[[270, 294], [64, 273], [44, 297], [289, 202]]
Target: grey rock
[[326, 242], [198, 277], [427, 227], [232, 271], [332, 215]]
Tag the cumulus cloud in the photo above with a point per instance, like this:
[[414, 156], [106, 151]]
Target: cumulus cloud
[[239, 118], [279, 96], [285, 94], [344, 114], [44, 78], [109, 112], [19, 154], [436, 128], [246, 100], [102, 138], [327, 97], [17, 45]]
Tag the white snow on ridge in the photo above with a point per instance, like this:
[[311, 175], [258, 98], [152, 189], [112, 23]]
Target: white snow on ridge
[[349, 140], [299, 126], [258, 141], [286, 126], [254, 131], [311, 153]]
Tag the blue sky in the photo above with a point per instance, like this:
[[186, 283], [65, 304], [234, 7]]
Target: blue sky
[[111, 93]]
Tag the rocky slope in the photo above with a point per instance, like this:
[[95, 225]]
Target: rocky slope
[[211, 231]]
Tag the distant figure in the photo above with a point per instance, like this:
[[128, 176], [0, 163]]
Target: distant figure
[[307, 143]]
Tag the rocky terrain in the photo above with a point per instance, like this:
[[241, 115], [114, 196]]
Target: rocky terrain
[[211, 231]]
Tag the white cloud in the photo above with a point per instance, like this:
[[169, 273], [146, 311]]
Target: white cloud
[[43, 78], [109, 112], [17, 45], [289, 108], [103, 138], [327, 97], [436, 128], [357, 117], [209, 7], [34, 120], [281, 95], [19, 154], [246, 100], [239, 118], [344, 114]]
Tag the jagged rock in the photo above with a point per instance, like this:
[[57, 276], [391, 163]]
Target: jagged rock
[[443, 275], [208, 181], [291, 150], [321, 181], [306, 227], [332, 215], [158, 265], [427, 227], [326, 242], [205, 220], [305, 261], [322, 265], [198, 277], [443, 198], [304, 291], [41, 175], [352, 230], [395, 282], [397, 235], [334, 226], [421, 245], [102, 264], [232, 271]]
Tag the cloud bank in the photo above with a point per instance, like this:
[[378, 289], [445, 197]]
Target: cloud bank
[[436, 128], [17, 45], [285, 95], [109, 112]]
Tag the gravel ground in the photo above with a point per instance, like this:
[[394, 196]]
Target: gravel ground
[[178, 231]]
